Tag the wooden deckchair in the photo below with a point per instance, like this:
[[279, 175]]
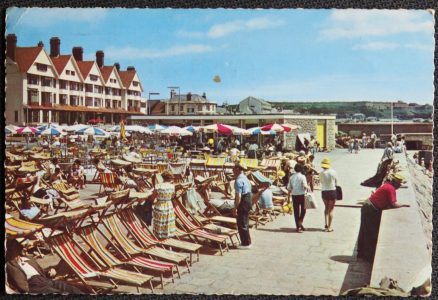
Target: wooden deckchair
[[144, 233], [109, 182], [198, 168], [189, 225], [67, 249], [15, 228], [178, 170], [90, 235], [114, 226], [69, 196]]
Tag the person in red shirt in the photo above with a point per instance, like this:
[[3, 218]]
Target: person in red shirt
[[384, 197]]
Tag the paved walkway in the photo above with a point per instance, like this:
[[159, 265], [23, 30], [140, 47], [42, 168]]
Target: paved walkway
[[284, 262]]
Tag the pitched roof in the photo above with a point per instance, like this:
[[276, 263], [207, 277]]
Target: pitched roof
[[25, 57], [127, 77], [159, 108], [60, 62], [106, 72], [85, 67]]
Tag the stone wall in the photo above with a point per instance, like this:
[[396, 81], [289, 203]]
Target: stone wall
[[307, 126], [331, 134]]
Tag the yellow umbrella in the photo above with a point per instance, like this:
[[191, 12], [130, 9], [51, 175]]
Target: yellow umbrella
[[122, 131]]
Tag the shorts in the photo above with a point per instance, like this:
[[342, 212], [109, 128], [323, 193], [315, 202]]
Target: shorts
[[328, 195]]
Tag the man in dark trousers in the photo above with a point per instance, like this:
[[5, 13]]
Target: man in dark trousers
[[242, 205], [27, 276]]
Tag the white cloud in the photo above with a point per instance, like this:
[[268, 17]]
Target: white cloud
[[224, 29], [42, 17], [115, 53], [389, 46], [351, 23], [189, 34]]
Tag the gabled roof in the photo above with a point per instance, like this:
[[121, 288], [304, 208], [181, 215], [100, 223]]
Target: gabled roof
[[25, 57], [106, 72], [60, 62], [85, 67], [127, 77]]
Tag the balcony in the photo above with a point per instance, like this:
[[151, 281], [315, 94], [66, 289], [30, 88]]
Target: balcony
[[47, 104], [33, 104]]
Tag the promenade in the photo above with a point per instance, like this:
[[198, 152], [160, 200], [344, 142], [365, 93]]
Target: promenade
[[283, 262]]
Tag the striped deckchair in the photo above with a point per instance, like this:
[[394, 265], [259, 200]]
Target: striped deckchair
[[67, 250], [89, 235], [143, 232], [15, 228], [198, 168], [215, 166], [114, 227], [188, 224], [69, 196], [109, 182], [249, 162], [178, 170], [272, 168]]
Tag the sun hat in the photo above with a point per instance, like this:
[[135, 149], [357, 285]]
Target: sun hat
[[326, 163], [398, 177]]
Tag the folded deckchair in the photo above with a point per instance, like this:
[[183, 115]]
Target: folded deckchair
[[143, 232], [114, 226], [90, 235], [191, 227], [67, 249]]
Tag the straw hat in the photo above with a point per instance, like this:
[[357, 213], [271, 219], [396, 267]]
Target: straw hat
[[326, 163], [398, 177]]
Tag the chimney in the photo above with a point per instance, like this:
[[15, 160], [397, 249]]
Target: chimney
[[41, 44], [130, 68], [117, 65], [204, 95], [172, 93], [78, 53], [189, 96], [99, 58], [11, 41], [55, 44]]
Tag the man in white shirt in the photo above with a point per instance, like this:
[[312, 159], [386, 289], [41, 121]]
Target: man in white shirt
[[132, 153], [298, 187]]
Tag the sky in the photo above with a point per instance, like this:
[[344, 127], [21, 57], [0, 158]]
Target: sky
[[276, 55]]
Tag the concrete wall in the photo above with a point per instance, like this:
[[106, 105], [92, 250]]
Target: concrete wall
[[385, 127], [402, 249], [14, 95]]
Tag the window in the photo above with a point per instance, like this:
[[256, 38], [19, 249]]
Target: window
[[72, 73], [74, 86], [16, 116], [135, 83], [67, 72], [62, 84], [33, 97], [41, 67], [32, 79], [172, 107], [93, 77], [107, 90], [46, 81]]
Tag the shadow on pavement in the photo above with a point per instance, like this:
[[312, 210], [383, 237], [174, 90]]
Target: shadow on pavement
[[358, 273], [290, 230]]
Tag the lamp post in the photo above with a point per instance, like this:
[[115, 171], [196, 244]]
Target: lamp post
[[149, 100], [179, 96]]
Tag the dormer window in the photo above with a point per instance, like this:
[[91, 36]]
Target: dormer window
[[41, 67], [135, 83], [93, 77]]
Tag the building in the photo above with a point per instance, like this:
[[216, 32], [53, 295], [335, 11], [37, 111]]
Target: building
[[322, 126], [251, 105], [189, 104], [64, 89]]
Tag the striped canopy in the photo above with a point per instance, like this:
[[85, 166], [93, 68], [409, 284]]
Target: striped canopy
[[93, 131], [157, 127], [27, 130], [176, 131], [51, 131], [279, 127]]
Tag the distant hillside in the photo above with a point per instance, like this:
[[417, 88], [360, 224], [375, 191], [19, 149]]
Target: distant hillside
[[347, 109]]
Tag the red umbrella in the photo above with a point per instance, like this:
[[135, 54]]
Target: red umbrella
[[219, 128], [95, 121], [279, 127], [27, 129]]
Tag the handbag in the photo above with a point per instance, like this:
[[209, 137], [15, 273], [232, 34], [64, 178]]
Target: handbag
[[309, 201], [338, 192]]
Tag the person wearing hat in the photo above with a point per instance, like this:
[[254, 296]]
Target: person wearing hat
[[242, 204], [26, 275], [329, 181], [385, 197]]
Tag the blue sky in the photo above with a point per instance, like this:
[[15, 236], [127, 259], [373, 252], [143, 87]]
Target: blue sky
[[277, 55]]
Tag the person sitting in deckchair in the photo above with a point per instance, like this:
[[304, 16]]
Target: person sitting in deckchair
[[27, 276], [263, 196], [132, 153]]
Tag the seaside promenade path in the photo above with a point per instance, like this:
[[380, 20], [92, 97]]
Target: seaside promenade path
[[283, 262]]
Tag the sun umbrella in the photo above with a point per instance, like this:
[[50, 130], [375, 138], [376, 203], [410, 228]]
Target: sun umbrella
[[157, 127], [76, 127], [192, 128], [258, 130], [51, 131], [279, 127], [27, 130], [45, 126], [96, 121], [219, 128], [9, 131], [175, 131], [93, 131], [138, 128]]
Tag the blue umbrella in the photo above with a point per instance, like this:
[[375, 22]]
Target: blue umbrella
[[157, 127], [92, 131], [51, 131]]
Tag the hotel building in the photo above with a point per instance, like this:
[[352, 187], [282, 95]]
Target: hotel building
[[64, 89]]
